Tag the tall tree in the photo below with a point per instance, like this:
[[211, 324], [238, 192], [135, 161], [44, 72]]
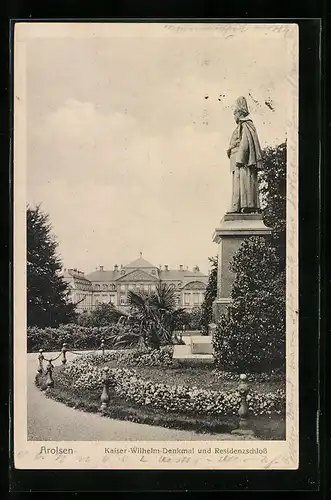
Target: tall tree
[[210, 296], [273, 194], [48, 302]]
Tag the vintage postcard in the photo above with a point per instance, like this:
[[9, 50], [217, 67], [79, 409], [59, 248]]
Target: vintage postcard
[[155, 245]]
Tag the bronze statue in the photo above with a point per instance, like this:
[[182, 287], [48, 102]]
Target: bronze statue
[[245, 156]]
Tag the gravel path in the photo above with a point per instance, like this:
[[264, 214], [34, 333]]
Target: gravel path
[[49, 420]]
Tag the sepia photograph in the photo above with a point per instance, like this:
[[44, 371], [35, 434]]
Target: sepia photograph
[[155, 245]]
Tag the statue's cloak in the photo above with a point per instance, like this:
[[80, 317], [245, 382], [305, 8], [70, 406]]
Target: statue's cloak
[[249, 150]]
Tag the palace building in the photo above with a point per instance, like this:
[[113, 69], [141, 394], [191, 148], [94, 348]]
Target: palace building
[[112, 286]]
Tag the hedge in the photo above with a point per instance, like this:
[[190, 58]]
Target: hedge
[[75, 336]]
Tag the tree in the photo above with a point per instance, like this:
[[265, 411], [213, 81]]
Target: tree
[[156, 314], [48, 302], [210, 296], [102, 315], [273, 193]]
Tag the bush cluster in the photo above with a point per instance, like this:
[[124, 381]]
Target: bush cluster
[[86, 373], [251, 336], [75, 336]]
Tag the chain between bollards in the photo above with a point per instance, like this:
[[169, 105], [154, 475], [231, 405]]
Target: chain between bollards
[[244, 429], [105, 390]]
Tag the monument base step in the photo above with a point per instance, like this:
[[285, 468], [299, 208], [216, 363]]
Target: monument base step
[[183, 354], [202, 344]]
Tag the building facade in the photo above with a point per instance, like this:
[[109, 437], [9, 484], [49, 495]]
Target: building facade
[[112, 286]]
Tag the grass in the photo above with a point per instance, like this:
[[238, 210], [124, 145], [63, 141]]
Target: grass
[[121, 409]]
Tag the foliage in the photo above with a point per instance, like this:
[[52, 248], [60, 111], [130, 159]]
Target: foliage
[[273, 196], [251, 337], [101, 315], [155, 315], [85, 374], [79, 337], [194, 318], [210, 296], [48, 302]]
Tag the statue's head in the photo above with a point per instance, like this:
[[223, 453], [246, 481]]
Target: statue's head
[[240, 109]]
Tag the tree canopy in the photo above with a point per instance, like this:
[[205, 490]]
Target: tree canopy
[[48, 302]]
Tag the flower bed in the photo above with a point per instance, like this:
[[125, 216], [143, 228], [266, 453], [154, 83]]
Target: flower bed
[[86, 373]]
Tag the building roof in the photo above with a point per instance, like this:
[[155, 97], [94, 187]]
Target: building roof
[[140, 263], [103, 275], [74, 273], [177, 275]]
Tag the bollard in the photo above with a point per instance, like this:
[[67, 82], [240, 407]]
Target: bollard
[[105, 394], [49, 380], [103, 347], [41, 361], [243, 412], [212, 327], [64, 350]]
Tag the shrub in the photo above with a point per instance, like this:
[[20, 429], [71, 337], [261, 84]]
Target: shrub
[[77, 337], [251, 336]]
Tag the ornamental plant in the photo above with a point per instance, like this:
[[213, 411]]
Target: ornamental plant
[[251, 336]]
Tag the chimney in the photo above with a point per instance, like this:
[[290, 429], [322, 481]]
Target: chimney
[[181, 267], [116, 267], [196, 269], [166, 267], [101, 268]]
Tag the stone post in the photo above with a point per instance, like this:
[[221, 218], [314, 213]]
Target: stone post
[[64, 350], [49, 379], [243, 412], [41, 362], [105, 393], [233, 230]]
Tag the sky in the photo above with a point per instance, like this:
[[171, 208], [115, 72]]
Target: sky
[[127, 134]]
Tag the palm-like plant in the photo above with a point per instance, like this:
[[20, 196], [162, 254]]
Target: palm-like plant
[[156, 315]]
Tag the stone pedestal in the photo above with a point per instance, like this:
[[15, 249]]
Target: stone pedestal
[[233, 230]]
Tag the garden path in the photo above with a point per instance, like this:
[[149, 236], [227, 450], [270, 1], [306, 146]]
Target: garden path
[[50, 420]]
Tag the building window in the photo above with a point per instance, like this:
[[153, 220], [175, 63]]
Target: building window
[[112, 299], [146, 288], [105, 287], [122, 288], [153, 271], [153, 288], [137, 287], [196, 298], [97, 287], [187, 299], [123, 300]]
